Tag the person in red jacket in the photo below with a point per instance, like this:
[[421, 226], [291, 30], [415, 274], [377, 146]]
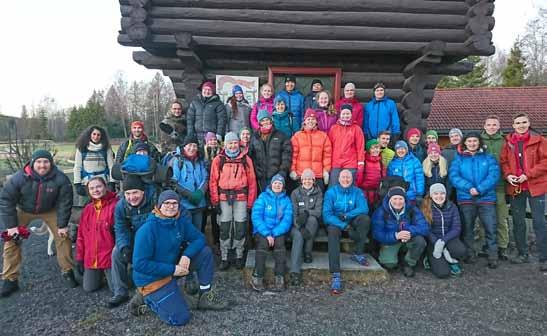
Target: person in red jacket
[[375, 170], [96, 235], [523, 161], [347, 141], [356, 106]]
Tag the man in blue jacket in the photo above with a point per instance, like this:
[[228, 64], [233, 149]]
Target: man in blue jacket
[[395, 224], [130, 213], [475, 174], [294, 99], [406, 165], [345, 209], [381, 115], [168, 246]]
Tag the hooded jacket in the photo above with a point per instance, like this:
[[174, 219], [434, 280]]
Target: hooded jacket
[[285, 123], [236, 123], [128, 219], [128, 147], [493, 145], [177, 124], [272, 214], [381, 115], [348, 201], [410, 169], [356, 109], [311, 149], [191, 175], [347, 146], [206, 114], [325, 120], [295, 104], [373, 174]]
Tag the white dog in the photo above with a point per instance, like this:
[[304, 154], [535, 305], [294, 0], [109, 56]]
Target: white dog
[[42, 230]]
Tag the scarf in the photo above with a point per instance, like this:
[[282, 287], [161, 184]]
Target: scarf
[[397, 214], [232, 154], [520, 141], [266, 129]]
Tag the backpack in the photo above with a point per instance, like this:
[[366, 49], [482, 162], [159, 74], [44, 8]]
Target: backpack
[[105, 172], [388, 182], [223, 158]]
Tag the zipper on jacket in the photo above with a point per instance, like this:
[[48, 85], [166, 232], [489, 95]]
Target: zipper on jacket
[[38, 194]]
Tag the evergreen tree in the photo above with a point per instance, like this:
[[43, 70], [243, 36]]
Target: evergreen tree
[[476, 78], [84, 116], [514, 72]]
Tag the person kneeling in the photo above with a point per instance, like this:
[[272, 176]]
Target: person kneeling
[[157, 263], [395, 224]]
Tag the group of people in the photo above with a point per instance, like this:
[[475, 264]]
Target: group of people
[[284, 169]]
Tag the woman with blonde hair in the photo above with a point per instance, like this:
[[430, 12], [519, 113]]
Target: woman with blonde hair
[[435, 167], [265, 102], [325, 111]]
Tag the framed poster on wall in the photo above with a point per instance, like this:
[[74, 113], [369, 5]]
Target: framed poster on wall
[[225, 83]]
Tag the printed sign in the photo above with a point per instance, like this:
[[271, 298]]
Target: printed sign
[[249, 85]]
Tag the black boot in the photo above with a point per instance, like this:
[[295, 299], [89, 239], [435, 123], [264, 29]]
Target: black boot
[[224, 265], [117, 300], [408, 271], [9, 288], [69, 279]]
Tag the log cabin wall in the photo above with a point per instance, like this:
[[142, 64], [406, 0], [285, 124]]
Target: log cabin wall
[[406, 44]]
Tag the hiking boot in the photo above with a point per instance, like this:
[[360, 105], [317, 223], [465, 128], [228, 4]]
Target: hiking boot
[[224, 265], [493, 263], [9, 287], [190, 286], [360, 259], [520, 259], [408, 271], [210, 300], [543, 266], [192, 300], [470, 259], [136, 306], [455, 270], [308, 259], [502, 254], [427, 266], [257, 283], [240, 263], [483, 253], [279, 283], [117, 300], [69, 279], [336, 284], [295, 279]]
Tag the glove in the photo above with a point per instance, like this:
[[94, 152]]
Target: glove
[[326, 177], [293, 175], [112, 186], [342, 217], [80, 266], [302, 218], [125, 254], [218, 209], [448, 257], [174, 135], [438, 248], [196, 197], [80, 189], [360, 175]]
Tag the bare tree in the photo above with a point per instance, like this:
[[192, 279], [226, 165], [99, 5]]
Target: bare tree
[[534, 48]]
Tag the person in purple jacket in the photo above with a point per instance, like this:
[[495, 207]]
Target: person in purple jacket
[[444, 246]]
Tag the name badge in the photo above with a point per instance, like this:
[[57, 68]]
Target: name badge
[[301, 203]]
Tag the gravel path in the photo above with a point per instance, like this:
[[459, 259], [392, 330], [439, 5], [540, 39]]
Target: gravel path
[[511, 300]]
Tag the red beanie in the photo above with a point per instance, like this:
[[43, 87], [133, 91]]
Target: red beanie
[[433, 148], [310, 113], [137, 123], [208, 84], [413, 131]]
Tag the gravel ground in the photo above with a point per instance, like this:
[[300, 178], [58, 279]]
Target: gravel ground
[[511, 300]]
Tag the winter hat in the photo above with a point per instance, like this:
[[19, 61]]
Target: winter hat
[[413, 131], [131, 182], [142, 146], [244, 128], [230, 136], [346, 107], [349, 86], [432, 132], [371, 143], [167, 195], [41, 154], [472, 134], [401, 144], [308, 173], [263, 114], [433, 148], [190, 139], [208, 84], [236, 89], [279, 178], [316, 81], [310, 113], [379, 85], [209, 136], [437, 187], [396, 191], [290, 78], [137, 123], [455, 131], [280, 99]]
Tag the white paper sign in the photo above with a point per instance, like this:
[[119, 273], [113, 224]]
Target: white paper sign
[[224, 84]]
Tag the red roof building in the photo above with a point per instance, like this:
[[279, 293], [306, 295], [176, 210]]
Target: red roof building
[[468, 108]]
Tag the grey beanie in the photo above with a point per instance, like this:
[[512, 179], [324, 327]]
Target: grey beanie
[[437, 187], [167, 195], [308, 173], [230, 136], [455, 131]]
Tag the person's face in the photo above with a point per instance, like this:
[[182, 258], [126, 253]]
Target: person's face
[[265, 122], [289, 86], [239, 96], [191, 149], [245, 136], [430, 139], [375, 150], [323, 99], [310, 123], [414, 139], [379, 93], [96, 189], [317, 87], [169, 208], [349, 93], [277, 186], [233, 145], [384, 140], [280, 106], [397, 202], [95, 136], [206, 91], [134, 196], [438, 197], [472, 144], [307, 182], [401, 152], [345, 178], [212, 143], [176, 109], [491, 126], [142, 152], [267, 92], [434, 156], [455, 139], [345, 115], [42, 166], [136, 131], [521, 125]]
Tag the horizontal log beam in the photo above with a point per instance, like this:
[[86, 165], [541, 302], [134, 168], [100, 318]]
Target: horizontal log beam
[[365, 95], [156, 62]]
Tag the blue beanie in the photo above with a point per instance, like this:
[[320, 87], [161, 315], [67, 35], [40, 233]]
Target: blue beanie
[[167, 195], [236, 88], [278, 177], [401, 144]]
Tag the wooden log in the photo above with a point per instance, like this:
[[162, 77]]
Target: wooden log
[[150, 61], [365, 95], [372, 19], [368, 79]]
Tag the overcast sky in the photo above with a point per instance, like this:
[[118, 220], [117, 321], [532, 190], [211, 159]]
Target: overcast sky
[[66, 48]]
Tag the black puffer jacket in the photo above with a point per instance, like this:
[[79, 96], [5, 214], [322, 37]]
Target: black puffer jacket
[[34, 194], [206, 115], [270, 157]]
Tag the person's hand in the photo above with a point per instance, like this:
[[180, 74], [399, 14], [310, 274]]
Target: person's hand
[[403, 236], [474, 192], [301, 219], [125, 255], [13, 231], [63, 233], [174, 135], [342, 217], [522, 178], [512, 179], [271, 241], [218, 209], [360, 175], [184, 262], [180, 271], [293, 175], [326, 177]]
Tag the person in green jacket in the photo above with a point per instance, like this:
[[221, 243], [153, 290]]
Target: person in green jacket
[[493, 142], [387, 154]]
